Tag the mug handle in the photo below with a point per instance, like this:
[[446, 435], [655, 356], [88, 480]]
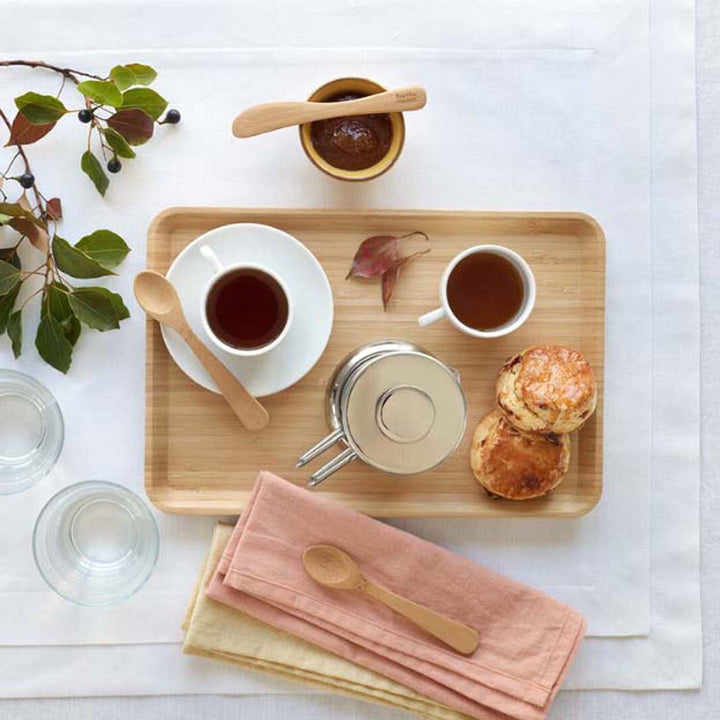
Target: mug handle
[[431, 317], [207, 252]]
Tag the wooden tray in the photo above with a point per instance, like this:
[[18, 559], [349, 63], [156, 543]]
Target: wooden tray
[[199, 460]]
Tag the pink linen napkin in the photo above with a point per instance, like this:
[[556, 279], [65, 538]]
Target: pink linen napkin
[[527, 639]]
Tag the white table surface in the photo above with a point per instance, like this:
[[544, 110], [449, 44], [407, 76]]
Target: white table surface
[[587, 705]]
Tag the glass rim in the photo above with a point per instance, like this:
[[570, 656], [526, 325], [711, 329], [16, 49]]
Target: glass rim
[[35, 390], [155, 534]]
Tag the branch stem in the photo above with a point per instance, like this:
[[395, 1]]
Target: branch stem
[[68, 73], [31, 296]]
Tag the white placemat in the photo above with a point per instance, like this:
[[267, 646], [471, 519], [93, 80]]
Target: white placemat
[[550, 121]]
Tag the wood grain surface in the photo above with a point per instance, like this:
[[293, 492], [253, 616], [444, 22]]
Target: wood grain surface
[[200, 460]]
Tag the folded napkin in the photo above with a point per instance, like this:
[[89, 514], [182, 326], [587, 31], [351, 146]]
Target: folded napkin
[[527, 639], [217, 631]]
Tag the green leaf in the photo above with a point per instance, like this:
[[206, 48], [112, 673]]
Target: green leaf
[[105, 247], [75, 262], [9, 277], [50, 341], [144, 74], [72, 330], [121, 311], [103, 92], [56, 304], [15, 209], [118, 143], [134, 124], [120, 308], [9, 255], [40, 109], [123, 77], [4, 218], [91, 167], [94, 309], [14, 331], [7, 302], [145, 99]]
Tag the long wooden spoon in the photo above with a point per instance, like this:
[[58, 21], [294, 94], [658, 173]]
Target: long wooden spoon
[[330, 566], [273, 116], [159, 299]]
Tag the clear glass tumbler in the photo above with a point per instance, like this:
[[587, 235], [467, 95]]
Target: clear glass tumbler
[[95, 543], [31, 431]]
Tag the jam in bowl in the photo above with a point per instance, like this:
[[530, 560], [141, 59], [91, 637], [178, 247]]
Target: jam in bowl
[[359, 147]]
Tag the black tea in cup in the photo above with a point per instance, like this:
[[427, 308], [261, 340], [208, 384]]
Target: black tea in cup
[[247, 308]]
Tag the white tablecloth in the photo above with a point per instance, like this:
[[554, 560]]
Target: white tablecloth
[[586, 705], [556, 118]]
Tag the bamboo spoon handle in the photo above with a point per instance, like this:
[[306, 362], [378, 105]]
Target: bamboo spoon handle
[[460, 637], [273, 116], [250, 412]]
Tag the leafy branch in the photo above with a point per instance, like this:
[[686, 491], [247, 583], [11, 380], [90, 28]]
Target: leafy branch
[[66, 72], [121, 112]]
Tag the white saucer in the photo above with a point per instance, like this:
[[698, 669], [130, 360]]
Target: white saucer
[[306, 281]]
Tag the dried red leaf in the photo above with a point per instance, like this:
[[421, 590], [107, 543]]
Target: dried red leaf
[[375, 256], [36, 234], [390, 276], [54, 208], [380, 255], [135, 125], [23, 132]]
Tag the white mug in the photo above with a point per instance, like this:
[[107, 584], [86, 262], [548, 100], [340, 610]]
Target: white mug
[[221, 270], [529, 291]]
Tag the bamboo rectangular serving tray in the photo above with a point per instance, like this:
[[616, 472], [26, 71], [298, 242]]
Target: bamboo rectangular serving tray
[[199, 459]]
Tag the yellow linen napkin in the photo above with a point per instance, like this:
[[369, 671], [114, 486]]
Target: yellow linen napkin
[[217, 631]]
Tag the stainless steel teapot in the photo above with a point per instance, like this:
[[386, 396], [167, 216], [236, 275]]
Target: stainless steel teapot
[[393, 405]]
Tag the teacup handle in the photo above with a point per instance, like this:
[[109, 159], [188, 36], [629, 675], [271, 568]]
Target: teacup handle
[[207, 252], [431, 317]]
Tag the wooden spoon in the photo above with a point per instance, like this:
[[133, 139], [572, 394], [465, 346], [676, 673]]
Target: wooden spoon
[[159, 299], [330, 566], [272, 116]]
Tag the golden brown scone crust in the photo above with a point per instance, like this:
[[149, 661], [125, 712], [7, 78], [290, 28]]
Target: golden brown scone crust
[[516, 465], [547, 389]]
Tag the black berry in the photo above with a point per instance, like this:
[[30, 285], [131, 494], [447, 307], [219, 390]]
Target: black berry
[[114, 165], [27, 180], [85, 116], [172, 117]]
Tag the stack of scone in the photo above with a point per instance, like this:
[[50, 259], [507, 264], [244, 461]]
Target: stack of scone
[[521, 450]]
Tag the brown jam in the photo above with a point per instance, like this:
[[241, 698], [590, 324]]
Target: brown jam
[[352, 143]]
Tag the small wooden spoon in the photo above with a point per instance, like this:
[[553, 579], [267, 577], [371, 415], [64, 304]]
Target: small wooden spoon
[[330, 566], [273, 116], [159, 299]]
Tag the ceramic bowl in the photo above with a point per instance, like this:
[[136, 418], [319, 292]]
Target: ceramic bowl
[[364, 87]]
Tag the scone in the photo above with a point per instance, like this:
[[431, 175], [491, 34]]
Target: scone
[[516, 465], [547, 389]]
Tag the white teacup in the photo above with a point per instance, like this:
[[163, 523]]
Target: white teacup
[[220, 272], [526, 306]]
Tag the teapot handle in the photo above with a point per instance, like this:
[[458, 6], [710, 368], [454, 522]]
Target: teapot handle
[[339, 461], [325, 444]]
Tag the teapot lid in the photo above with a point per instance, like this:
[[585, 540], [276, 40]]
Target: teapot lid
[[403, 411]]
